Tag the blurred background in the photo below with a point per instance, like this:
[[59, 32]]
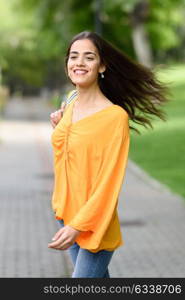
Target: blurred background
[[34, 36]]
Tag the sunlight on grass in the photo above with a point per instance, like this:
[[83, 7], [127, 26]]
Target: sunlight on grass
[[160, 151]]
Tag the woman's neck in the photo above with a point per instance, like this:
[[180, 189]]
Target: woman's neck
[[88, 96]]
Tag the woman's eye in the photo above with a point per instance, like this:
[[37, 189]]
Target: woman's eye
[[74, 57]]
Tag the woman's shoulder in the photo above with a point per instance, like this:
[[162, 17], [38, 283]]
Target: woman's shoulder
[[119, 111]]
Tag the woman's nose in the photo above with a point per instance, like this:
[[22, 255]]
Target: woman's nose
[[80, 61]]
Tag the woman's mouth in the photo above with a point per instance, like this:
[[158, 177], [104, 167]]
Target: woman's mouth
[[80, 72]]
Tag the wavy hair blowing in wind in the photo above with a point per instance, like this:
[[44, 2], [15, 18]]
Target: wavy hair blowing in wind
[[126, 82]]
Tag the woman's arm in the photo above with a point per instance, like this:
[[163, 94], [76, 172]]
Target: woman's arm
[[96, 214]]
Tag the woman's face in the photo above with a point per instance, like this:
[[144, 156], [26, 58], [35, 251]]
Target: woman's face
[[83, 64]]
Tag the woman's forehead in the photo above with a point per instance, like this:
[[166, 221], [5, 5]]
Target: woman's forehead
[[84, 45]]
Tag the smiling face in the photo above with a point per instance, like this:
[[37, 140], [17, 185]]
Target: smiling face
[[83, 63]]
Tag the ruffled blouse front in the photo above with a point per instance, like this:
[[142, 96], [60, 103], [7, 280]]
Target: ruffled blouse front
[[90, 158]]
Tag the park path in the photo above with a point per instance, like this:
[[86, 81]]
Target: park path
[[152, 218]]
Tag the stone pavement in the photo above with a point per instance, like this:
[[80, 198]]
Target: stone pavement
[[152, 218]]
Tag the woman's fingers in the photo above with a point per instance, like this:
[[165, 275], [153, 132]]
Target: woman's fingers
[[57, 115], [67, 246], [64, 238], [53, 123], [58, 234], [57, 239], [60, 243], [63, 105]]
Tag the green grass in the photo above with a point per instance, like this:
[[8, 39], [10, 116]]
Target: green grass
[[161, 151]]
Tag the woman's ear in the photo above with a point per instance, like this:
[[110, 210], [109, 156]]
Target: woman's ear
[[102, 69]]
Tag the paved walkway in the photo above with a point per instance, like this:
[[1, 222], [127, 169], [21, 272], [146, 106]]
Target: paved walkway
[[152, 218]]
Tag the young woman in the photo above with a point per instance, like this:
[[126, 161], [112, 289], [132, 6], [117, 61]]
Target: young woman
[[91, 145]]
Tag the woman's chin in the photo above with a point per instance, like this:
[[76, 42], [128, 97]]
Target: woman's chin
[[81, 83]]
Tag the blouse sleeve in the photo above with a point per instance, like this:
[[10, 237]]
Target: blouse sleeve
[[95, 215]]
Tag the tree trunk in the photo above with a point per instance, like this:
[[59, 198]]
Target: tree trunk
[[139, 35]]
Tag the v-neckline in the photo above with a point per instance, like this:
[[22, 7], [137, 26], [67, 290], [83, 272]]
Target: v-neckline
[[87, 117]]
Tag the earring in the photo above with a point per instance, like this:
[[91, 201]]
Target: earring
[[102, 75]]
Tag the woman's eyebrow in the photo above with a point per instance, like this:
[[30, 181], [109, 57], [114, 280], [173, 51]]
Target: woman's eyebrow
[[86, 52]]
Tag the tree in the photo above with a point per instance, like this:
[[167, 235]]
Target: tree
[[35, 37]]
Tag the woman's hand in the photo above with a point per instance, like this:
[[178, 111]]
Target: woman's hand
[[64, 238], [57, 115]]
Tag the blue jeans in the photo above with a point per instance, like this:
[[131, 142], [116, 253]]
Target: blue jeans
[[88, 264]]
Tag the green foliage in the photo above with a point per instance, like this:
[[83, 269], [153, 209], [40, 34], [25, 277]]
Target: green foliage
[[160, 151], [34, 34], [56, 101], [165, 19]]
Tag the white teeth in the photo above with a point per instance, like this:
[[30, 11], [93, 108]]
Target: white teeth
[[80, 72]]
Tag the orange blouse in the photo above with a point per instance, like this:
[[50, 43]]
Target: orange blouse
[[90, 158]]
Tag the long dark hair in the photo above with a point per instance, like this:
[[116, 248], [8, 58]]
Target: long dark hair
[[126, 82]]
